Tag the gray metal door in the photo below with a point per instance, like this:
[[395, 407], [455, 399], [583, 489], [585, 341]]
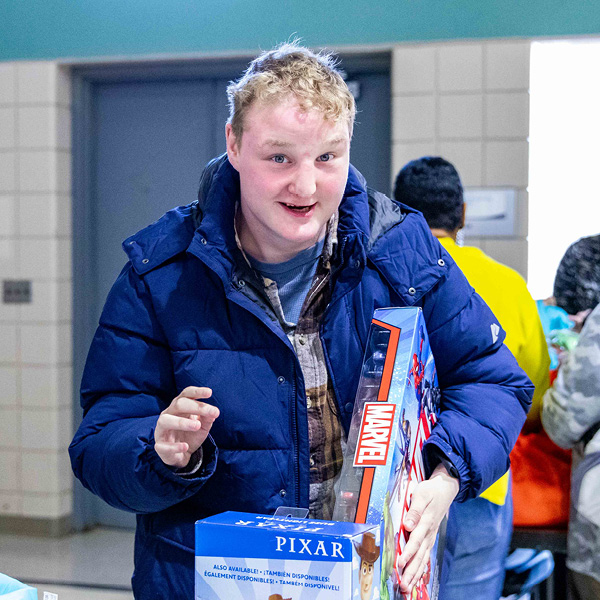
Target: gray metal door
[[152, 141], [370, 151], [147, 142]]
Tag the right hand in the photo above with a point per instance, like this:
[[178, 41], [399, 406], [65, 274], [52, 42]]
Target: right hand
[[183, 426], [430, 503]]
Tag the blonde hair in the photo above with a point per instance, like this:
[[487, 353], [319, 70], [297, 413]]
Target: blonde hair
[[292, 70]]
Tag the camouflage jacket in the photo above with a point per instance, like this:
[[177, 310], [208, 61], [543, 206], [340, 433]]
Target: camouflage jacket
[[570, 414]]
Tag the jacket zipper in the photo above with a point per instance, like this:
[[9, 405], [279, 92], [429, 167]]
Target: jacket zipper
[[296, 448], [295, 415], [325, 351]]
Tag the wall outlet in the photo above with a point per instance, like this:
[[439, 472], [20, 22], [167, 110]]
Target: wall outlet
[[16, 291]]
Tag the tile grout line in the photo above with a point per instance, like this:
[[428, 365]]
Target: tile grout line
[[18, 251], [484, 72]]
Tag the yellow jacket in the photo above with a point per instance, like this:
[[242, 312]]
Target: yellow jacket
[[506, 293]]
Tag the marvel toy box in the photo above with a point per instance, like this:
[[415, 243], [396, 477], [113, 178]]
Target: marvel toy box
[[396, 408], [244, 556]]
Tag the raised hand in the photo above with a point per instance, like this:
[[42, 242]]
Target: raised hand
[[183, 426]]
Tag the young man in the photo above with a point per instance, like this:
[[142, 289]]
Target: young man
[[223, 373], [479, 530]]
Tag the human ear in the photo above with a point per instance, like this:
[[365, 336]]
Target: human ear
[[233, 147]]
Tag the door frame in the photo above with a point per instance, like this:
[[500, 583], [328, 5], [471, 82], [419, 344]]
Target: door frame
[[84, 78]]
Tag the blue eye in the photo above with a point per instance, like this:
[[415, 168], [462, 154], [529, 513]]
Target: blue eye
[[325, 157], [279, 158]]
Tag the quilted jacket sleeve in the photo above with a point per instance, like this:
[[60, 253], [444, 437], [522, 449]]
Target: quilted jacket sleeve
[[485, 394], [572, 404], [127, 382]]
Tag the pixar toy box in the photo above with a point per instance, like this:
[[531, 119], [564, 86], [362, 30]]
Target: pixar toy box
[[396, 408], [244, 556]]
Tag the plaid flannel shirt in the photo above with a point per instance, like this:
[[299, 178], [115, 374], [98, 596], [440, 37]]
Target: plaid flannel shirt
[[326, 435]]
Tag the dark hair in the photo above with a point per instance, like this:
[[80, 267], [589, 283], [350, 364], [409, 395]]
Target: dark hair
[[577, 282], [432, 185]]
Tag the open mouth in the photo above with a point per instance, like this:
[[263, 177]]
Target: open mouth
[[297, 208]]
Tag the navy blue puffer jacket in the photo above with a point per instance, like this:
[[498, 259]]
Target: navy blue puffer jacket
[[179, 315]]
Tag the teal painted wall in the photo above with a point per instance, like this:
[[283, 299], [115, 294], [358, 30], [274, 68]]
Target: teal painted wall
[[45, 29]]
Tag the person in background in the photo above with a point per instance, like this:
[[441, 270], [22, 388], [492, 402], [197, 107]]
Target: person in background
[[571, 410], [577, 280], [224, 370], [576, 293], [571, 416], [479, 530]]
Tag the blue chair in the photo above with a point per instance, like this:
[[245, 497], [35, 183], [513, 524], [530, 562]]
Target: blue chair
[[526, 569]]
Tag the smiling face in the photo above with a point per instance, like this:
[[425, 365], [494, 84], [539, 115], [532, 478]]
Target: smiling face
[[365, 577], [293, 166]]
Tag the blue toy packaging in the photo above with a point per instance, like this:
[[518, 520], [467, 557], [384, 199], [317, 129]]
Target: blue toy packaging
[[243, 556], [396, 407]]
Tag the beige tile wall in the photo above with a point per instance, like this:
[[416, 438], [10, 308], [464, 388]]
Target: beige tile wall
[[468, 102], [35, 244]]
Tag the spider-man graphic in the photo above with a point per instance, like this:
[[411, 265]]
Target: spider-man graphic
[[417, 372]]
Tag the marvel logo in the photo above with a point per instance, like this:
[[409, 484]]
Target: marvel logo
[[375, 432]]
